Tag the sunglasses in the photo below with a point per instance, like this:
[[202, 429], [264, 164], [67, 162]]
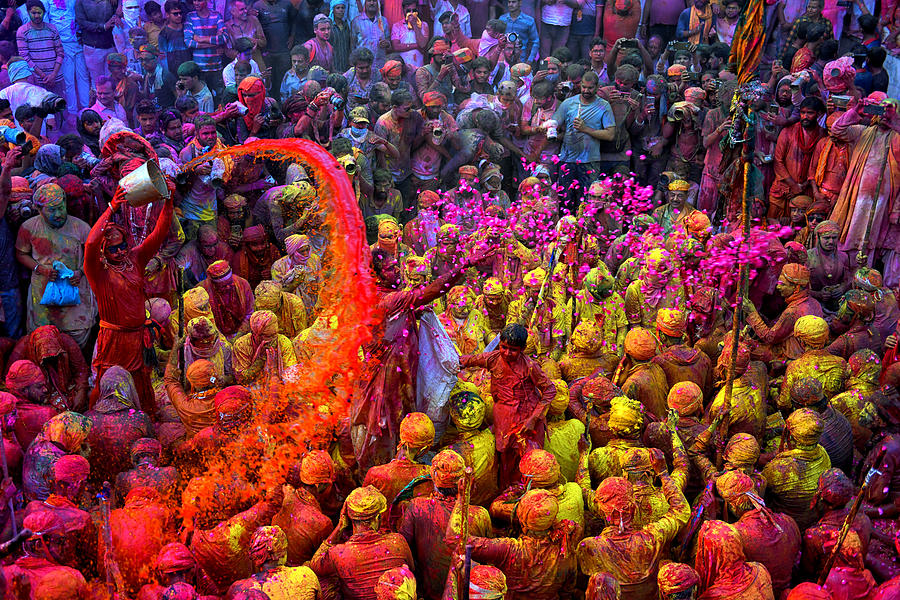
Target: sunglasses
[[175, 12], [118, 247]]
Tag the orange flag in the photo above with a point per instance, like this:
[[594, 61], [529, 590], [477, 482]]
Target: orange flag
[[749, 38]]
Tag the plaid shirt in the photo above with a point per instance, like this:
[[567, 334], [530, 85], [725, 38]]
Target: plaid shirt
[[208, 59]]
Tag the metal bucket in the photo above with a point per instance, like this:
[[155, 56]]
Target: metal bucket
[[144, 185]]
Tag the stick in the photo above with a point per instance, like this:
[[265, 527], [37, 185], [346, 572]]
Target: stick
[[462, 591], [179, 292], [114, 581], [12, 510], [544, 286], [861, 257], [848, 520]]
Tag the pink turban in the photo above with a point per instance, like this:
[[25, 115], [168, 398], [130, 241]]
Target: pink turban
[[71, 468], [839, 74], [22, 374]]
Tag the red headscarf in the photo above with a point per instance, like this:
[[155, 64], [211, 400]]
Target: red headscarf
[[255, 104]]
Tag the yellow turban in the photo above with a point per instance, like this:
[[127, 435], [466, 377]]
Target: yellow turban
[[535, 278], [388, 226], [812, 331], [446, 468], [196, 304], [679, 185], [268, 295], [365, 503], [671, 322], [805, 426], [493, 287], [586, 338], [640, 344], [264, 323], [742, 450], [626, 416], [560, 401]]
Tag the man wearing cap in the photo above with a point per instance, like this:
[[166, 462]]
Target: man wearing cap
[[792, 476], [778, 339], [816, 361], [673, 213], [367, 553], [46, 578], [191, 84], [157, 81], [679, 361], [857, 311], [230, 298], [425, 521]]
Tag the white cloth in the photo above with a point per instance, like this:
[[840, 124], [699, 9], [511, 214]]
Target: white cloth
[[228, 71]]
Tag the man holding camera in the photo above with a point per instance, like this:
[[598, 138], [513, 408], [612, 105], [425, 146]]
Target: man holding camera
[[523, 27], [440, 74], [587, 120]]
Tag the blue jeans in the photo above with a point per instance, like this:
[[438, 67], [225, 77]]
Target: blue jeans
[[12, 312]]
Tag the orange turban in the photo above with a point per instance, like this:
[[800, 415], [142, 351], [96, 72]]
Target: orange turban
[[537, 510], [22, 374], [446, 468], [676, 70], [742, 450], [697, 223], [796, 274], [640, 344], [809, 591], [7, 403], [174, 557], [201, 373], [677, 577], [392, 68], [317, 467], [71, 468], [365, 503], [416, 431], [268, 543], [734, 485], [541, 467], [686, 397], [671, 322], [434, 98], [486, 583]]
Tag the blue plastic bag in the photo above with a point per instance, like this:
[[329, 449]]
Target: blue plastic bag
[[61, 292]]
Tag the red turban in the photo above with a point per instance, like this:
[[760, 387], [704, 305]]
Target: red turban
[[537, 510], [22, 374], [7, 403], [255, 233], [43, 521], [71, 468], [835, 488], [541, 466], [392, 68], [614, 495], [145, 446], [218, 269], [809, 591], [398, 583], [317, 467], [416, 431], [434, 99], [233, 405], [446, 469], [175, 557], [486, 583]]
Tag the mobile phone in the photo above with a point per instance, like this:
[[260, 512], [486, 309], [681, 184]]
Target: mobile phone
[[840, 101], [676, 46], [874, 110], [629, 43]]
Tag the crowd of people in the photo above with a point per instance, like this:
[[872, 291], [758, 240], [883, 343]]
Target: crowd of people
[[634, 329]]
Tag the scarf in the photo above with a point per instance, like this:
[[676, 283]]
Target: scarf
[[696, 16], [254, 105], [117, 391]]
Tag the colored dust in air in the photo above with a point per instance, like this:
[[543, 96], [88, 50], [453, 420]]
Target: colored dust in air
[[304, 413]]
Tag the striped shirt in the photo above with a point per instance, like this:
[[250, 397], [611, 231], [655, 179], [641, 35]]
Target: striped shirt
[[41, 48], [208, 59]]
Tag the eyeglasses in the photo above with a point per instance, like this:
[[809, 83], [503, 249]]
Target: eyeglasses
[[117, 248]]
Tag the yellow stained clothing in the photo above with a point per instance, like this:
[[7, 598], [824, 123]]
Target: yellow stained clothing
[[640, 310], [829, 369], [607, 315], [628, 272], [479, 447], [292, 276], [747, 413], [851, 404], [632, 556], [568, 495], [546, 328], [292, 317], [484, 327], [607, 461], [574, 366], [792, 479], [286, 583], [561, 440], [246, 369]]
